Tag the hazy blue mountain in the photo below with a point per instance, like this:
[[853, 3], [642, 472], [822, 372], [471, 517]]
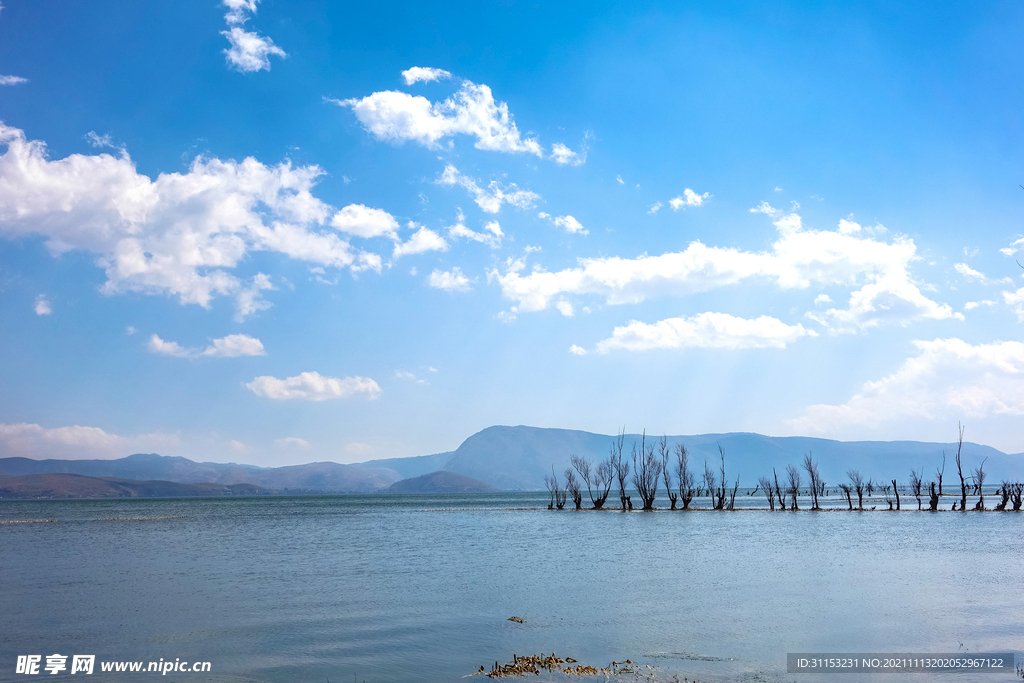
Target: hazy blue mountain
[[517, 458], [62, 485], [441, 482]]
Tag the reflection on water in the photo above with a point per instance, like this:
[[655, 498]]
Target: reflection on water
[[411, 588]]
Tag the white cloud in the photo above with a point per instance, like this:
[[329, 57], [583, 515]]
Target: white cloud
[[250, 299], [398, 116], [237, 446], [577, 350], [491, 234], [249, 50], [231, 346], [362, 221], [74, 443], [972, 275], [707, 330], [490, 199], [565, 308], [879, 270], [687, 199], [290, 442], [619, 179], [1016, 299], [130, 330], [822, 299], [971, 305], [312, 386], [402, 374], [179, 234], [43, 306], [12, 80], [1014, 247], [655, 207], [948, 380], [97, 140], [450, 281], [422, 240], [563, 155], [567, 223], [425, 74]]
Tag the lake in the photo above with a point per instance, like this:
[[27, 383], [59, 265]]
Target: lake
[[420, 588]]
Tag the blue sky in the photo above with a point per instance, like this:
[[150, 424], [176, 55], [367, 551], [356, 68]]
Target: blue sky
[[278, 232]]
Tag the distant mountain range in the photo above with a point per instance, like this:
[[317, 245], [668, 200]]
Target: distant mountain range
[[78, 486], [517, 458], [441, 482]]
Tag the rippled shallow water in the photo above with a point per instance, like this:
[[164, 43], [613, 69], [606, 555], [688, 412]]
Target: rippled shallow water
[[419, 588]]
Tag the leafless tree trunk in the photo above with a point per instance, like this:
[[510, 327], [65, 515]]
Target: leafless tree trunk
[[858, 484], [812, 472], [732, 495], [664, 451], [933, 499], [939, 472], [979, 481], [778, 491], [572, 487], [896, 490], [960, 469], [599, 480], [1016, 491], [793, 475], [846, 489], [766, 485], [621, 468], [711, 484], [646, 473], [687, 480], [550, 484], [1004, 492], [558, 494], [915, 485]]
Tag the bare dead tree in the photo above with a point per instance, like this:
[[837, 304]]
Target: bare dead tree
[[1004, 492], [687, 480], [599, 479], [732, 495], [793, 485], [1016, 491], [620, 466], [940, 472], [646, 472], [960, 469], [766, 485], [812, 471], [572, 487], [979, 482], [915, 485], [888, 498], [778, 491], [858, 485], [549, 484], [711, 484], [896, 490], [664, 451], [846, 488], [933, 498]]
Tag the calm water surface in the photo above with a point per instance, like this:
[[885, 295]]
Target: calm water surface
[[419, 588]]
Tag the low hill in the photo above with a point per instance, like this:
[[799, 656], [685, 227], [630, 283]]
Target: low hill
[[441, 482], [78, 486]]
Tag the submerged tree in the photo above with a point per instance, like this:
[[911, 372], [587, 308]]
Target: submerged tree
[[1004, 492], [846, 488], [940, 472], [858, 485], [896, 490], [646, 472], [812, 471], [915, 485], [558, 494], [572, 487], [664, 451], [960, 469], [620, 468], [793, 485], [1016, 491], [979, 482], [766, 485], [599, 479], [687, 480], [711, 484], [778, 491]]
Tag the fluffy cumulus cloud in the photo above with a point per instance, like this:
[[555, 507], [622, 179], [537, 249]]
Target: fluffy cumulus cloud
[[43, 306], [423, 240], [491, 235], [181, 234], [688, 198], [231, 346], [12, 80], [878, 271], [312, 386], [362, 221], [398, 117], [707, 330], [425, 74], [75, 442], [567, 223], [491, 198], [450, 281], [563, 156], [1014, 247], [948, 380], [249, 50]]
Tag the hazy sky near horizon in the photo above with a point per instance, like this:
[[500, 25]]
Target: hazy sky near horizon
[[277, 232]]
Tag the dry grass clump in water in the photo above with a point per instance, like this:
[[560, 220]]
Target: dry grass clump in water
[[532, 664]]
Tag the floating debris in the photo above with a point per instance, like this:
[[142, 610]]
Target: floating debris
[[533, 664], [27, 521], [518, 620]]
